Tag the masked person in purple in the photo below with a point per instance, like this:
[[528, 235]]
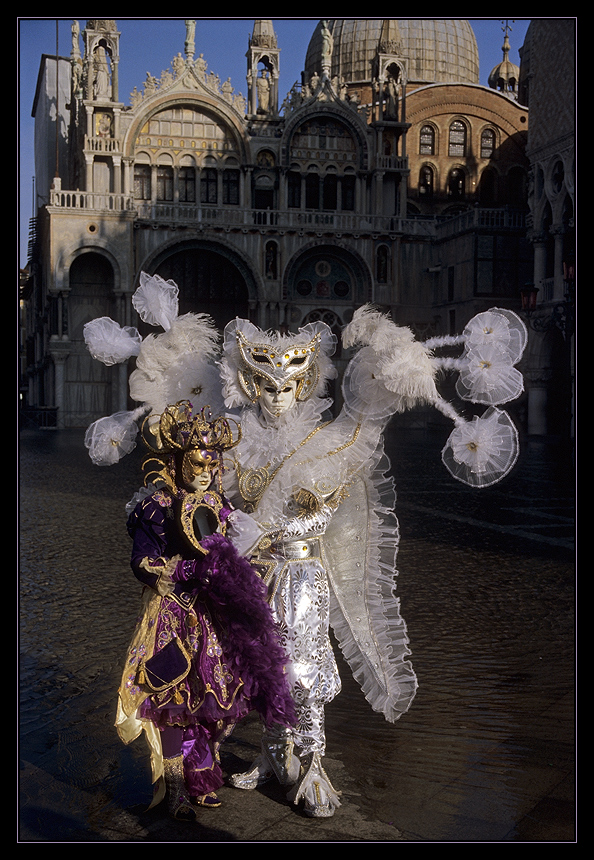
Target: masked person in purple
[[206, 649]]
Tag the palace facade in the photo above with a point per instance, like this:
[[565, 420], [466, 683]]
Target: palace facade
[[388, 175]]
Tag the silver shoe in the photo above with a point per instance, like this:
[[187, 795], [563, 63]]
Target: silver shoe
[[259, 773]]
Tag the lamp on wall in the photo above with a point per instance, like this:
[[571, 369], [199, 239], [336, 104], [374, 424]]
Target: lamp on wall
[[528, 295]]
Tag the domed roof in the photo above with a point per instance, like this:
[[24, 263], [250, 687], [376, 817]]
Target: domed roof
[[505, 75], [438, 51]]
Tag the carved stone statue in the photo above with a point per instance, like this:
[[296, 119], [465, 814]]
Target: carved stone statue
[[327, 44], [178, 65], [101, 80], [190, 31], [263, 85]]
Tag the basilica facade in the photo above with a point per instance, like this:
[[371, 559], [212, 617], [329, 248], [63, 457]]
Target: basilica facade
[[388, 175]]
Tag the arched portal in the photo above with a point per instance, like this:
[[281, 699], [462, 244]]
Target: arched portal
[[210, 281], [85, 389]]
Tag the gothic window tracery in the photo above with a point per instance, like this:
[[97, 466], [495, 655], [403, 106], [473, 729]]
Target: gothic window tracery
[[487, 143], [164, 183], [142, 181], [208, 185], [187, 184]]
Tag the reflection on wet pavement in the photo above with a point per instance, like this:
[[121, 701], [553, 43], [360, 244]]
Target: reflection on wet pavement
[[486, 752]]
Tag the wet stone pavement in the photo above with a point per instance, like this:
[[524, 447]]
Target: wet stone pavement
[[486, 752]]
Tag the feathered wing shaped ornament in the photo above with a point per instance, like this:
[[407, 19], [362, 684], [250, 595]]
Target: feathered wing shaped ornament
[[392, 372], [177, 364]]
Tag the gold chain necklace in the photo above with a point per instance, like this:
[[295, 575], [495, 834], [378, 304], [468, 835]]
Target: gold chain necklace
[[253, 483]]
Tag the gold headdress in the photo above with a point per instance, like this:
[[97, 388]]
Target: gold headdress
[[182, 446], [180, 440]]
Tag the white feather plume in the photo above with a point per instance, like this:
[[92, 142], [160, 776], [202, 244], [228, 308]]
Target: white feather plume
[[390, 360], [177, 364]]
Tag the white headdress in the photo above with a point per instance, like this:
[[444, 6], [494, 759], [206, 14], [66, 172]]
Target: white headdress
[[251, 356], [176, 365]]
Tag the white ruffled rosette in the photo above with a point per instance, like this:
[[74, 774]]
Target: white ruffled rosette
[[364, 391], [109, 342], [499, 326], [494, 342], [488, 376], [156, 300], [111, 438], [482, 451], [391, 372]]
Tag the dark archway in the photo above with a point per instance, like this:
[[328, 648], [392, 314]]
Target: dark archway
[[209, 282], [90, 388]]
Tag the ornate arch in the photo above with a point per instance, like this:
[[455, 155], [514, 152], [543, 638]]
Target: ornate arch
[[212, 106], [336, 274], [196, 265], [342, 115], [92, 244]]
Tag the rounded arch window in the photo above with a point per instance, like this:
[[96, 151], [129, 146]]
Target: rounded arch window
[[164, 182], [323, 134], [142, 181], [426, 182], [457, 184], [487, 143], [457, 139], [427, 140]]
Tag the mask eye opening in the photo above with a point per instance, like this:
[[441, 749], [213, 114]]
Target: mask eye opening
[[261, 359]]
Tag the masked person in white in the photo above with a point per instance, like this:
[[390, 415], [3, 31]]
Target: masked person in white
[[326, 539]]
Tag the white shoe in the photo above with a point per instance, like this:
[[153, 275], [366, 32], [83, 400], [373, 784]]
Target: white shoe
[[315, 789]]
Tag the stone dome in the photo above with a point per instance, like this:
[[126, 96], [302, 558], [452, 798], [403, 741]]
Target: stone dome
[[437, 51], [506, 75]]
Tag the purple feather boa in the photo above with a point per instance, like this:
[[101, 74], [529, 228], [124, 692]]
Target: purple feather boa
[[249, 635]]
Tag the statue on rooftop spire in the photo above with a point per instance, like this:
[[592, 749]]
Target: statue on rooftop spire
[[327, 44], [189, 43]]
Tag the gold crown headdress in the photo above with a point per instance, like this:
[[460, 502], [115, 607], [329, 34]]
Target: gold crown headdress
[[182, 439]]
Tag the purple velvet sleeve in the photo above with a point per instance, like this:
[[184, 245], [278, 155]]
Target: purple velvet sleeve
[[153, 538], [146, 527]]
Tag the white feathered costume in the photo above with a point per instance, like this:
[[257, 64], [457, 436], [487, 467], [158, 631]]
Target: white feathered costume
[[320, 521]]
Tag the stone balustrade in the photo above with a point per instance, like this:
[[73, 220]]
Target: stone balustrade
[[188, 214], [102, 144]]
